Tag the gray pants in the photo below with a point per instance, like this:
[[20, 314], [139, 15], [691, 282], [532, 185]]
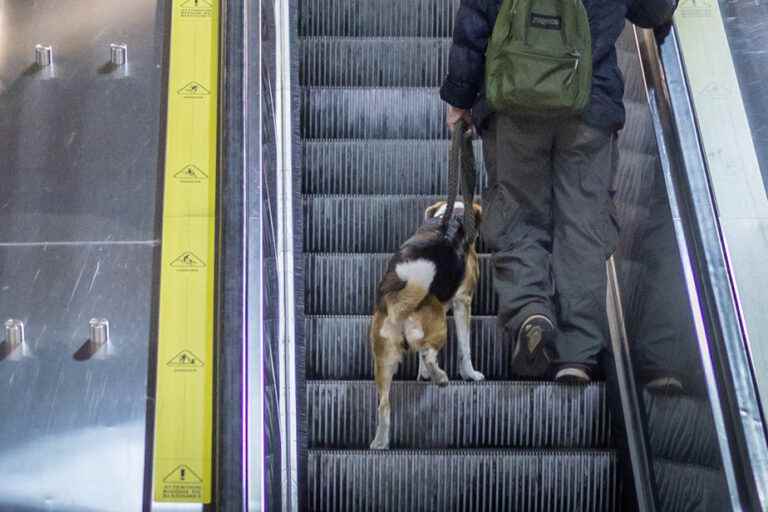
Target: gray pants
[[549, 221]]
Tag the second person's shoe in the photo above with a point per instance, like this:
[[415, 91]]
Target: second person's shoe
[[531, 356]]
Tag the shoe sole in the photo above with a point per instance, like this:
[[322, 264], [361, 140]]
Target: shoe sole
[[530, 357]]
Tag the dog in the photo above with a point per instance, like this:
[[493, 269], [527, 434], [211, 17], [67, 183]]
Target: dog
[[434, 270]]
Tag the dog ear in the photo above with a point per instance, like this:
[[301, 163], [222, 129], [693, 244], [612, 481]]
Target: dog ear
[[478, 213], [430, 212]]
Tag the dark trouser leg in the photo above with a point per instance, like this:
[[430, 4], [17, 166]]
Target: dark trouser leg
[[517, 218], [584, 236]]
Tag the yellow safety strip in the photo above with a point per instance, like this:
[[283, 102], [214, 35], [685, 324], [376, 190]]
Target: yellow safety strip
[[184, 401]]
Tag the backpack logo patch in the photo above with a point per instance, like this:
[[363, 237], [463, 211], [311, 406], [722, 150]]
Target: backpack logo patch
[[546, 22]]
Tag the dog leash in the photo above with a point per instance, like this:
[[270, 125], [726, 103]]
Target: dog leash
[[461, 166]]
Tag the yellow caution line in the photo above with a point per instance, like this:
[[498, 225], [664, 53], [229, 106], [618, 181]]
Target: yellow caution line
[[184, 401]]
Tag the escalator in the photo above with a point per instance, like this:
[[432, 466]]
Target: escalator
[[374, 154], [329, 143]]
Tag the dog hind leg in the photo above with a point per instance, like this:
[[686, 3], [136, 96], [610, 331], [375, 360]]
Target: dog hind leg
[[384, 372]]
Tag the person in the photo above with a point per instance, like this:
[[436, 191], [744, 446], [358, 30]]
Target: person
[[549, 218]]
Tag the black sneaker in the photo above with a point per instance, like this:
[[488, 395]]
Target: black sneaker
[[572, 375], [531, 357]]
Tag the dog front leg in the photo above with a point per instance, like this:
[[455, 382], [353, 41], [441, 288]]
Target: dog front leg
[[462, 311]]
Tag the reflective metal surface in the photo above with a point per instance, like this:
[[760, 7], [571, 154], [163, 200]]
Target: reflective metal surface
[[78, 241], [661, 321], [730, 152], [699, 401]]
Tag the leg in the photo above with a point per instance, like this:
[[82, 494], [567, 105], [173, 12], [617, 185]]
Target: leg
[[462, 311], [387, 341], [384, 372], [517, 225], [585, 235], [428, 356]]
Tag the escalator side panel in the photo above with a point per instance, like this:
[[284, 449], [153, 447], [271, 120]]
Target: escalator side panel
[[80, 156]]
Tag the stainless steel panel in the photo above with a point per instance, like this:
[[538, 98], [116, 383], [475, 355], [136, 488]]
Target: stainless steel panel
[[73, 431], [80, 139]]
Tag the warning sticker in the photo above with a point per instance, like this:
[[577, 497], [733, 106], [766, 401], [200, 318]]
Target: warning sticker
[[196, 9], [183, 430], [185, 359], [190, 174], [194, 90], [188, 262], [182, 483]]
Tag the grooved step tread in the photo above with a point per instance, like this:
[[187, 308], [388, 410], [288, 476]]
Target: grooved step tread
[[463, 481], [345, 284], [408, 167], [461, 415], [338, 347]]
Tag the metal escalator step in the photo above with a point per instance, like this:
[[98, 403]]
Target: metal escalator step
[[363, 223], [345, 284], [634, 80], [682, 430], [373, 62], [372, 113], [338, 347], [683, 487], [462, 481], [379, 166], [398, 18], [461, 415], [638, 135]]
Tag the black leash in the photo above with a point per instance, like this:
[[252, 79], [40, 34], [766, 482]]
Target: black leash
[[461, 166]]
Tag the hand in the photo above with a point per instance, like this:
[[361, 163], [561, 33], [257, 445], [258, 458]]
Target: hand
[[454, 114]]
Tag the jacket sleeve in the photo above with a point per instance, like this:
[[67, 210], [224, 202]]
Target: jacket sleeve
[[466, 61], [651, 13]]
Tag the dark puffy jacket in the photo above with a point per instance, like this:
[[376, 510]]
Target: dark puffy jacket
[[463, 87]]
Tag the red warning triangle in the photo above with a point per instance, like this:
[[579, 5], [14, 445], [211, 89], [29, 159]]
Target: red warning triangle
[[182, 475]]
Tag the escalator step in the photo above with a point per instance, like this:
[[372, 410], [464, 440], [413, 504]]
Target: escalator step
[[682, 488], [461, 415], [637, 135], [372, 113], [462, 481], [393, 18], [345, 284], [363, 223], [338, 347], [682, 429], [379, 166], [373, 62]]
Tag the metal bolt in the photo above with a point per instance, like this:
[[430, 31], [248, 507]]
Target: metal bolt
[[43, 55], [99, 329], [14, 333], [118, 54]]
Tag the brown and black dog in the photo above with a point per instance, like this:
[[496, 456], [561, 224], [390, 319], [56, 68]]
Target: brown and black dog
[[434, 270]]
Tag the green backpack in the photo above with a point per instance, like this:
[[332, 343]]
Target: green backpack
[[539, 58]]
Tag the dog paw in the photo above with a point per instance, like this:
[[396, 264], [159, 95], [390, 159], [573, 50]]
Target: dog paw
[[380, 444], [472, 374], [440, 378]]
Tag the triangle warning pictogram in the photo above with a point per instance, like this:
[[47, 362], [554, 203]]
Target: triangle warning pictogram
[[185, 359], [188, 260], [194, 89], [182, 475], [197, 4], [190, 172]]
